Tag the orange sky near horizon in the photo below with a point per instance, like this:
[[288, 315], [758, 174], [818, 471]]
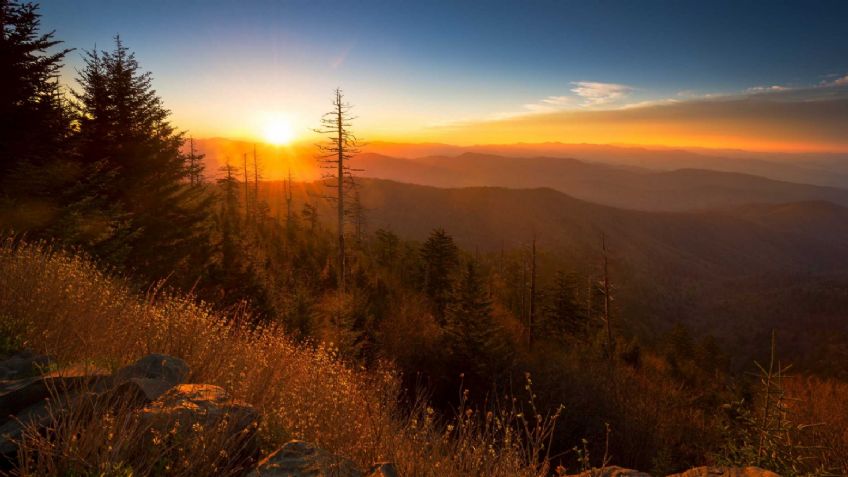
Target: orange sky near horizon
[[798, 122]]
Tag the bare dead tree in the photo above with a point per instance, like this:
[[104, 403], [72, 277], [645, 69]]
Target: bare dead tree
[[255, 178], [246, 193], [287, 188], [194, 166], [333, 157], [260, 207]]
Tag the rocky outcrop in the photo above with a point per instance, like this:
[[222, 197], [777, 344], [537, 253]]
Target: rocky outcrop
[[152, 387], [726, 472]]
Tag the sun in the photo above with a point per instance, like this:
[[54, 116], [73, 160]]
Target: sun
[[278, 131]]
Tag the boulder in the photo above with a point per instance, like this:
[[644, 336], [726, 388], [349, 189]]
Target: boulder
[[36, 401], [22, 393], [149, 378], [201, 403], [726, 472], [301, 459], [155, 366], [612, 471], [23, 364], [11, 430]]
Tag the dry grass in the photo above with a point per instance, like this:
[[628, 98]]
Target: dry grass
[[822, 404], [62, 305]]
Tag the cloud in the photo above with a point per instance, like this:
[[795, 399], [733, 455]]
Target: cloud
[[813, 118], [841, 81], [766, 89], [598, 94], [339, 60], [551, 103]]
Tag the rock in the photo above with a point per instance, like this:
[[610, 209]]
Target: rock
[[612, 471], [12, 430], [36, 401], [383, 469], [301, 459], [158, 367], [23, 364], [207, 406], [726, 472], [149, 378], [22, 393]]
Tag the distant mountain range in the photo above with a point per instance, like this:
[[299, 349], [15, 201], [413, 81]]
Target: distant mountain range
[[818, 169], [632, 178], [828, 169], [624, 187]]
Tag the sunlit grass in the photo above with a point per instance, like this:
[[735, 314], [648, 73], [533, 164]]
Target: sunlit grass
[[63, 305]]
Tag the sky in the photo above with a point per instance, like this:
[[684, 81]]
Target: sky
[[759, 75]]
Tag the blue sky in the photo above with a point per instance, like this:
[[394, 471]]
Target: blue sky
[[222, 65]]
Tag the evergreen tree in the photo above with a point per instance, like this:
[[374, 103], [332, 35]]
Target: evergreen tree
[[563, 315], [135, 160], [35, 166], [386, 247], [476, 340], [440, 259], [229, 216], [33, 120]]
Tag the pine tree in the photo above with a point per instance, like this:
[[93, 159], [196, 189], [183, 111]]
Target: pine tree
[[195, 165], [136, 163], [563, 315], [440, 259], [34, 123], [229, 215], [476, 340]]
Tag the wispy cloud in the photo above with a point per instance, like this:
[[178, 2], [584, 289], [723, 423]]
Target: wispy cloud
[[841, 81], [551, 103], [767, 89], [598, 94], [811, 118], [339, 60]]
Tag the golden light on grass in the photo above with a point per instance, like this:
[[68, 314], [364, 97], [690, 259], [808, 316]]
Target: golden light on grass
[[278, 130]]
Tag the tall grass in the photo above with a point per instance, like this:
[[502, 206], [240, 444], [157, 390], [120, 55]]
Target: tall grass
[[61, 304]]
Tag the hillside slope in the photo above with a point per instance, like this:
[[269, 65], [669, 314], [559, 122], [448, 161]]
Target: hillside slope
[[722, 271]]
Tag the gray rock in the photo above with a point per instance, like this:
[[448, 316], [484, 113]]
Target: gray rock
[[159, 367], [23, 364], [22, 393], [11, 431], [301, 459], [148, 378]]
